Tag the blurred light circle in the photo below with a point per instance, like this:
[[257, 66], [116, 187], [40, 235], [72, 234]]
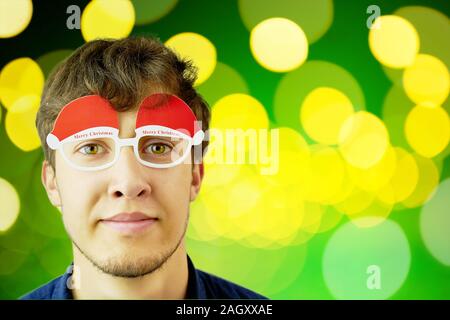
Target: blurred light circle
[[356, 201], [239, 111], [282, 265], [310, 225], [366, 263], [9, 205], [41, 216], [314, 17], [55, 256], [376, 213], [363, 140], [395, 42], [396, 107], [325, 174], [433, 28], [330, 219], [107, 19], [323, 112], [219, 174], [427, 130], [279, 215], [15, 16], [427, 81], [225, 80], [151, 11], [405, 177], [11, 260], [278, 44], [197, 48], [378, 175], [296, 85], [428, 181], [346, 189], [18, 78], [294, 157], [435, 224], [20, 123], [198, 229], [434, 31]]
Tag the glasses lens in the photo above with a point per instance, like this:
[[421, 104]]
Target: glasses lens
[[162, 150], [90, 153]]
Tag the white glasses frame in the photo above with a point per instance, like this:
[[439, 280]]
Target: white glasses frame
[[113, 133]]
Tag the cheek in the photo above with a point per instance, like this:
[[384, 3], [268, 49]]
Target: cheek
[[174, 191], [78, 197]]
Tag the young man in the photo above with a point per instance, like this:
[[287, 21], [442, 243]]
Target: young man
[[125, 205]]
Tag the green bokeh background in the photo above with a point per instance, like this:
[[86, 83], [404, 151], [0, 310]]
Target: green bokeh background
[[36, 248]]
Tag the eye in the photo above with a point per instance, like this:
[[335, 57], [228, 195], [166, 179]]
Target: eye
[[91, 149], [158, 148]]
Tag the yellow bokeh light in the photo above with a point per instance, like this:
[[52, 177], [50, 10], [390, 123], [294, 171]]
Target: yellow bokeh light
[[394, 41], [323, 112], [427, 81], [363, 140], [355, 202], [244, 196], [404, 179], [427, 130], [426, 185], [325, 174], [218, 174], [199, 228], [315, 17], [14, 17], [215, 217], [374, 214], [18, 78], [377, 176], [279, 215], [346, 189], [294, 159], [197, 48], [107, 19], [291, 140], [279, 44], [9, 205], [239, 111], [20, 123], [312, 220], [330, 219], [250, 209]]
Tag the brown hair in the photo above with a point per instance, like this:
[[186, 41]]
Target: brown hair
[[121, 71]]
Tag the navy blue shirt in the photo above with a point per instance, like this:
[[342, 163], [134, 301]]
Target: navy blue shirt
[[201, 285]]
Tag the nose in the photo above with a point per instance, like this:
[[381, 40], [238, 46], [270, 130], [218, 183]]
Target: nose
[[127, 178]]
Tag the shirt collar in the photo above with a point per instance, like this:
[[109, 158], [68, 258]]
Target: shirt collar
[[195, 287]]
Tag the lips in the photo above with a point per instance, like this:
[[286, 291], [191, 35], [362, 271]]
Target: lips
[[133, 216], [129, 222]]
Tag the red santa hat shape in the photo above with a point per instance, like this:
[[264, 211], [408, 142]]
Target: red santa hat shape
[[161, 109], [81, 114]]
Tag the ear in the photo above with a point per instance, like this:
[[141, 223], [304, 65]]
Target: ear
[[197, 177], [48, 178]]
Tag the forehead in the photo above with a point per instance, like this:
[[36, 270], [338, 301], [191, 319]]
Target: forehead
[[127, 123]]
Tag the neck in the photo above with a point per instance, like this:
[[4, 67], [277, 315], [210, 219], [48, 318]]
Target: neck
[[168, 282]]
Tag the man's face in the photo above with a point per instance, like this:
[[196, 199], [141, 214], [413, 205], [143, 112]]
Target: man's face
[[87, 198]]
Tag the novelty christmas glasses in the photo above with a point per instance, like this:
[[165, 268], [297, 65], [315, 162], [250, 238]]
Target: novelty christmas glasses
[[86, 132]]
